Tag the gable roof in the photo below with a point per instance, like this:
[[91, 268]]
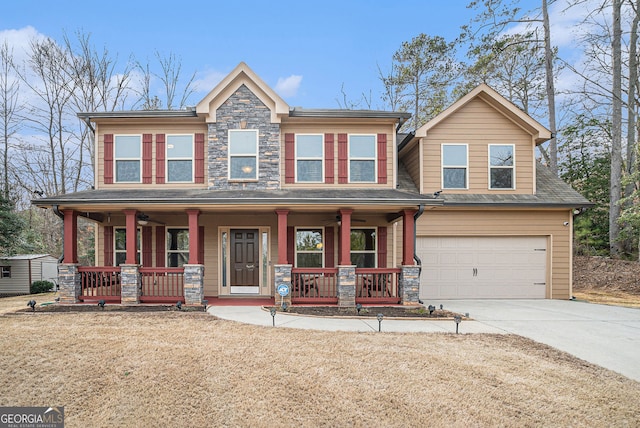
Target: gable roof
[[241, 75], [495, 100]]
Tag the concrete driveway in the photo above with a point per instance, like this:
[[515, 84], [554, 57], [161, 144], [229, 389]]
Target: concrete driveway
[[608, 336]]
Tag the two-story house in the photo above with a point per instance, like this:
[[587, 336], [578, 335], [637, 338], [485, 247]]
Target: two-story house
[[244, 194]]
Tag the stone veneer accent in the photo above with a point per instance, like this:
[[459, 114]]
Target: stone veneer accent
[[130, 284], [409, 285], [193, 284], [244, 105], [347, 286], [282, 276], [69, 282]]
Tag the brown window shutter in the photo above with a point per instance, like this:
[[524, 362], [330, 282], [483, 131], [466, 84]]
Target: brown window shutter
[[108, 159], [160, 244], [289, 159], [328, 158], [147, 251], [329, 248], [382, 247], [343, 161], [201, 245], [199, 158], [160, 156], [108, 245], [147, 140], [291, 245], [382, 158]]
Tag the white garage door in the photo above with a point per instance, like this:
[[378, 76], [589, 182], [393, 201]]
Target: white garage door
[[482, 267]]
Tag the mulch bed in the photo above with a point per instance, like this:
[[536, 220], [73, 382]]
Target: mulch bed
[[111, 308], [386, 311]]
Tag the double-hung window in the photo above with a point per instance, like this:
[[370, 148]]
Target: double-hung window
[[363, 248], [243, 154], [309, 158], [309, 247], [128, 150], [120, 243], [454, 166], [501, 166], [177, 247], [362, 158], [180, 158]]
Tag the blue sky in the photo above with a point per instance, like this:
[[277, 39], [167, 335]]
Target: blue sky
[[304, 50]]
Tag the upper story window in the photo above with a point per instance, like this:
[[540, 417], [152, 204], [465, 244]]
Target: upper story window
[[243, 154], [177, 247], [128, 150], [5, 271], [179, 158], [362, 159], [309, 158], [363, 248], [454, 166], [501, 166], [309, 247], [120, 246]]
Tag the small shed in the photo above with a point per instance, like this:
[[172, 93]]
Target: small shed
[[19, 271]]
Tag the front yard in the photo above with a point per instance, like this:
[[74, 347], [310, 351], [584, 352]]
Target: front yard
[[190, 369]]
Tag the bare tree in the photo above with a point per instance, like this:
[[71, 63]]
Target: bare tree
[[10, 110], [615, 192], [170, 76]]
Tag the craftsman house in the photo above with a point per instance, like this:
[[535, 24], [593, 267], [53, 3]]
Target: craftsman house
[[244, 194]]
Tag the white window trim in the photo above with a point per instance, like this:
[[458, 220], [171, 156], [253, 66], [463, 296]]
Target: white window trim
[[229, 156], [295, 243], [166, 243], [374, 251], [442, 166], [192, 158], [116, 159], [490, 167], [374, 159], [297, 158]]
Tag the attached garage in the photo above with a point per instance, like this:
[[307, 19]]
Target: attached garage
[[483, 267]]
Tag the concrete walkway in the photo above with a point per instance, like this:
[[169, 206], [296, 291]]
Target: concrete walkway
[[605, 335]]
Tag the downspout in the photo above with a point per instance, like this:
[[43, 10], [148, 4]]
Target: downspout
[[416, 216], [57, 212]]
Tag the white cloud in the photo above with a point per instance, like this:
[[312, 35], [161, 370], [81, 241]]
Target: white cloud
[[288, 86], [20, 40], [207, 80]]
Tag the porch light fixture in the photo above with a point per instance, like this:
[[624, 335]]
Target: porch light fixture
[[32, 305], [101, 303], [380, 316], [457, 319], [273, 316], [143, 219]]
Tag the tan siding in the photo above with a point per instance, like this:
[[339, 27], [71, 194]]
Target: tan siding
[[451, 222], [478, 125], [411, 161], [139, 129], [309, 128]]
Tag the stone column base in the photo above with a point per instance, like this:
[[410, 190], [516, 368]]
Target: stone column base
[[347, 286], [69, 283], [130, 284], [409, 285], [193, 284]]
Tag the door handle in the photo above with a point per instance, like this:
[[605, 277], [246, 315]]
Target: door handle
[[475, 271]]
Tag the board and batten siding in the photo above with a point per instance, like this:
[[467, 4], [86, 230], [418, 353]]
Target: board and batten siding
[[478, 124], [465, 222], [140, 129], [335, 129]]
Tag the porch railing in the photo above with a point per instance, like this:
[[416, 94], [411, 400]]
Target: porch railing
[[314, 285], [378, 285], [162, 285], [100, 283]]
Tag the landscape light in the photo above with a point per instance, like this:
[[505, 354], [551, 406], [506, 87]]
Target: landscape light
[[441, 307], [380, 316], [32, 304], [101, 303], [431, 309], [273, 316], [358, 307], [284, 306], [179, 305], [457, 320]]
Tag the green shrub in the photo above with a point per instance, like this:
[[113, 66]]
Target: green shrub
[[41, 287]]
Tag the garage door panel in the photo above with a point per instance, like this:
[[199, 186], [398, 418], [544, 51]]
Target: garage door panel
[[483, 267]]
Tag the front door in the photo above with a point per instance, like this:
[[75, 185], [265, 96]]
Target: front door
[[245, 261]]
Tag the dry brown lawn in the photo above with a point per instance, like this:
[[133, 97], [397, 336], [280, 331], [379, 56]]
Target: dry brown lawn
[[192, 370]]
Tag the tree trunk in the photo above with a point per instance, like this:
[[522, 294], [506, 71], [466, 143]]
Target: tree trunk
[[615, 192], [550, 88]]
